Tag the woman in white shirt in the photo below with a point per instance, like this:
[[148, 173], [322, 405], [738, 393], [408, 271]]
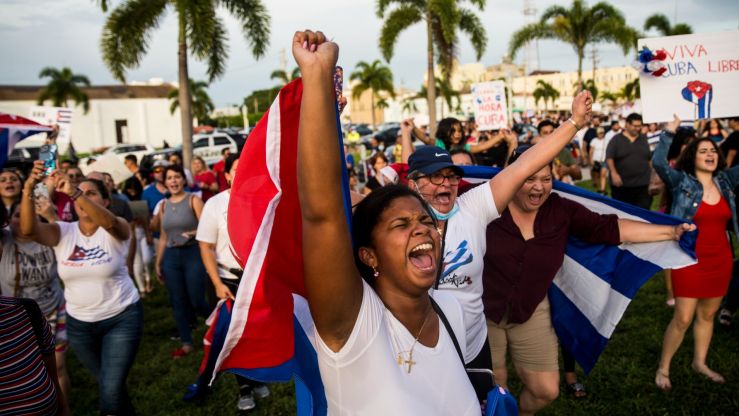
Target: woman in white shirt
[[376, 326], [104, 312]]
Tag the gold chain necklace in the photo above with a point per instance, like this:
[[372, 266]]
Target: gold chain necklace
[[400, 359]]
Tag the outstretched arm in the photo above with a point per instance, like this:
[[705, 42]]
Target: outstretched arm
[[45, 234], [641, 232], [505, 184], [334, 288]]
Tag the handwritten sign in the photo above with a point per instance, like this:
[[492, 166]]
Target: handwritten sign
[[489, 104], [700, 80]]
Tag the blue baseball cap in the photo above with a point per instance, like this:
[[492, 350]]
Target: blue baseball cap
[[428, 160]]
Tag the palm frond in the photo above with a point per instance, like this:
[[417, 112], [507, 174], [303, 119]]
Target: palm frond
[[471, 24], [659, 22], [526, 34], [397, 21], [255, 23], [127, 32]]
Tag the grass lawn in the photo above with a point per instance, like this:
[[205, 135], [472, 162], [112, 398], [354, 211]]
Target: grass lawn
[[622, 382]]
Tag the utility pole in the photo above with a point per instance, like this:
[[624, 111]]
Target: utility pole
[[283, 61], [529, 13], [596, 61]]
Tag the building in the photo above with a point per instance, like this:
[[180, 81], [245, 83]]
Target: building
[[133, 113], [606, 79]]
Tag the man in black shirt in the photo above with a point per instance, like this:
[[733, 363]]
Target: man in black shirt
[[730, 146], [628, 158]]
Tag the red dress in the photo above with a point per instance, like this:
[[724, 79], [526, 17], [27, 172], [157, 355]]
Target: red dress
[[709, 278]]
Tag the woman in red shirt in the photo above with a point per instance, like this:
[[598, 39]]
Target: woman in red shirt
[[205, 179]]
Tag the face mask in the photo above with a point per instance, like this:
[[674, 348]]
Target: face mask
[[443, 217]]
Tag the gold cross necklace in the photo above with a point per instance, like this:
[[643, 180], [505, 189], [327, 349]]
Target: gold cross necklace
[[400, 359]]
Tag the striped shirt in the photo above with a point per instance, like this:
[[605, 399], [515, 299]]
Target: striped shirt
[[25, 386]]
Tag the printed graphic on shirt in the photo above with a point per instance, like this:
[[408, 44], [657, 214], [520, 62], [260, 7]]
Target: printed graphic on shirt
[[94, 255], [34, 267], [453, 260]]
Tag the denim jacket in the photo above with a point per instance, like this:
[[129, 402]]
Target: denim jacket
[[687, 192]]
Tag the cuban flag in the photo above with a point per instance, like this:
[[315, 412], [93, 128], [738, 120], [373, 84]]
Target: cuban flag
[[701, 94], [264, 334], [14, 129], [596, 283]]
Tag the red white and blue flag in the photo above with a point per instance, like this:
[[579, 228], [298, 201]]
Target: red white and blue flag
[[14, 129], [596, 282], [258, 336]]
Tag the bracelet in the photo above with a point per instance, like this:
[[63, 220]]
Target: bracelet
[[77, 193], [574, 124]]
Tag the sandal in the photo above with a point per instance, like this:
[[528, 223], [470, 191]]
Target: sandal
[[670, 302], [577, 390], [724, 317]]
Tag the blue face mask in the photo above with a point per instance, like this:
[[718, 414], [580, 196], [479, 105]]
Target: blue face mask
[[443, 217]]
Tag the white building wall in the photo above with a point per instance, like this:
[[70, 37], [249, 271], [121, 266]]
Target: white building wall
[[148, 121]]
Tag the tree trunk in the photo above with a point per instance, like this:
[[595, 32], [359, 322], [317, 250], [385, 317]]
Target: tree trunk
[[184, 96], [580, 55], [431, 81]]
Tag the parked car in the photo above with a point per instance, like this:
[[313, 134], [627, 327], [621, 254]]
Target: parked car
[[209, 146], [147, 162], [121, 150], [387, 136]]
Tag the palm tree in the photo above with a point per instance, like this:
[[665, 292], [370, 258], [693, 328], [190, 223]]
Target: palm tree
[[579, 26], [63, 86], [375, 77], [631, 91], [608, 96], [442, 19], [202, 33], [282, 75], [446, 92], [202, 105], [662, 24], [545, 91]]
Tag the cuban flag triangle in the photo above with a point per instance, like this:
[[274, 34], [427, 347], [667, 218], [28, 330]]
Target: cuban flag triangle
[[264, 334], [596, 283], [14, 129]]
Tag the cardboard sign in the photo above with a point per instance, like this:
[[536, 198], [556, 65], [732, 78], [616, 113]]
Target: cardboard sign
[[489, 105], [108, 164], [700, 80]]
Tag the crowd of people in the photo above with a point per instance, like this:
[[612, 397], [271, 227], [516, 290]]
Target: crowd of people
[[435, 275]]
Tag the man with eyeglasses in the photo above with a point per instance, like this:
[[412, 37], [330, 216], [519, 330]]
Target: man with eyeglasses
[[628, 159]]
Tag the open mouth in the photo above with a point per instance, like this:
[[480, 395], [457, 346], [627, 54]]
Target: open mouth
[[535, 198], [444, 198], [421, 256]]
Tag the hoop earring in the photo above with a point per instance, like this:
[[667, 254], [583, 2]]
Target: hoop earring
[[375, 272]]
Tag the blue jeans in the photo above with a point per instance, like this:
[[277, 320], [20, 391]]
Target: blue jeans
[[184, 276], [107, 349]]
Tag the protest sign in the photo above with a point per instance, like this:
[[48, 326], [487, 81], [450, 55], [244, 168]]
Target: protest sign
[[489, 104], [108, 164], [694, 76]]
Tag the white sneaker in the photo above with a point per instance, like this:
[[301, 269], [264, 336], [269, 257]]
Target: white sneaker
[[246, 402], [261, 391]]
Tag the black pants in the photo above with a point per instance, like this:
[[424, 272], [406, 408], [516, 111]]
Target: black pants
[[732, 296], [634, 195]]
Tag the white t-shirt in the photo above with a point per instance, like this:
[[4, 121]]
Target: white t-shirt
[[611, 133], [464, 249], [93, 269], [364, 378], [213, 229], [599, 147]]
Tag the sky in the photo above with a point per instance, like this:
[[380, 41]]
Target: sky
[[61, 33]]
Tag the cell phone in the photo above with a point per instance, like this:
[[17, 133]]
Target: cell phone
[[48, 154]]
